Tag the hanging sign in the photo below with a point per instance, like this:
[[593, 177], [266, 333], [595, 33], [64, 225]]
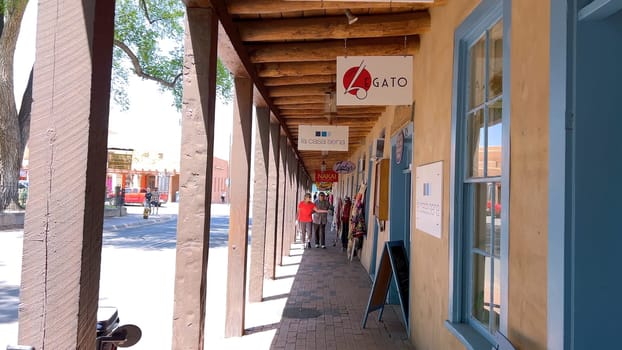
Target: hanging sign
[[324, 186], [374, 80], [322, 138], [344, 167], [326, 176], [119, 161]]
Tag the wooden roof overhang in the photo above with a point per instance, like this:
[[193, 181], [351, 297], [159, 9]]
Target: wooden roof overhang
[[289, 50]]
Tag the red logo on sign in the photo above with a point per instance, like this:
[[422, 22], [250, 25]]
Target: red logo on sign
[[357, 80]]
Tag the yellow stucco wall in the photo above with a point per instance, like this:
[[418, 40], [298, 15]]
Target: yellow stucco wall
[[433, 96], [433, 71], [529, 138], [529, 171]]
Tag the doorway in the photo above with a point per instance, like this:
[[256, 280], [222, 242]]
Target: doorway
[[400, 193]]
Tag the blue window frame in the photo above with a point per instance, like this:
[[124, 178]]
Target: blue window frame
[[480, 176]]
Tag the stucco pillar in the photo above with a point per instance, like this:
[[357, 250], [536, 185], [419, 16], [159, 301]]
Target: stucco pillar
[[238, 218], [195, 181], [68, 137], [260, 197]]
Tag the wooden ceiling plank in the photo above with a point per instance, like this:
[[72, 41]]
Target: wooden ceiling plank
[[288, 113], [340, 110], [285, 69], [335, 27], [341, 119], [329, 49], [301, 90], [239, 7], [288, 100], [307, 79], [233, 42]]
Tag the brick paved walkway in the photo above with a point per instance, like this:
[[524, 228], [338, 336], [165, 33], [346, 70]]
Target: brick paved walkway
[[326, 305]]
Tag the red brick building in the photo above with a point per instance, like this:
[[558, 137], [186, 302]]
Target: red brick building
[[220, 182]]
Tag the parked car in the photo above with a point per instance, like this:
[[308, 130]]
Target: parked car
[[137, 196]]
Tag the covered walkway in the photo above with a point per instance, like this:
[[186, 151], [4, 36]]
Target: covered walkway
[[319, 299]]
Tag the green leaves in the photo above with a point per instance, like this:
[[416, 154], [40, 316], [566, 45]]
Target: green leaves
[[149, 38]]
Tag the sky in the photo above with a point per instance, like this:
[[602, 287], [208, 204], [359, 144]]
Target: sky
[[151, 123]]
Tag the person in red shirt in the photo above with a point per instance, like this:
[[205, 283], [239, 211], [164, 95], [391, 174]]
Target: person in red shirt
[[305, 218]]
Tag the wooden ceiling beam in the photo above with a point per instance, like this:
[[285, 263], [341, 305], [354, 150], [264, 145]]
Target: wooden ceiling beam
[[361, 132], [254, 7], [228, 34], [340, 110], [335, 27], [335, 121], [301, 90], [307, 79], [327, 50], [319, 113], [289, 100], [285, 69]]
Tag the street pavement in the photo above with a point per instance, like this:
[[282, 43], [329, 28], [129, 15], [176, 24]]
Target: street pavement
[[137, 277]]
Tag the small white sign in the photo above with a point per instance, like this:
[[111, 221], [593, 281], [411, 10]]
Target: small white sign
[[429, 201], [374, 80], [322, 138]]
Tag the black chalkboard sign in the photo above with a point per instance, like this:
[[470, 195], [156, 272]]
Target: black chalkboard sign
[[393, 262]]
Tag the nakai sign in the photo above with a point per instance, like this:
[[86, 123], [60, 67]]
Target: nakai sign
[[374, 80], [326, 176]]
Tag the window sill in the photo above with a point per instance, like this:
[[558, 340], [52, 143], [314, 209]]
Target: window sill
[[469, 337]]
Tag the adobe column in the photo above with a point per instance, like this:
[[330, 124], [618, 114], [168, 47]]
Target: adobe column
[[68, 138], [260, 198], [195, 180], [238, 217]]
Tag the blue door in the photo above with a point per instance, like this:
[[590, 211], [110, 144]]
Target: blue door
[[400, 185]]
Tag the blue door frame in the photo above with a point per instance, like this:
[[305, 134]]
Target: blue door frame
[[400, 193], [368, 211], [584, 175]]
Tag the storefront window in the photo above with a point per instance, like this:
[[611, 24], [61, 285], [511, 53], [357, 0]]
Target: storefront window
[[479, 226], [484, 147]]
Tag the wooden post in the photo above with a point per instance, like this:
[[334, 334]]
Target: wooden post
[[289, 202], [281, 222], [68, 139], [260, 203], [292, 203], [238, 218], [197, 149], [273, 199]]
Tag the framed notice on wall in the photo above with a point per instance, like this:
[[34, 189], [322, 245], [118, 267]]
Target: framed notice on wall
[[429, 201]]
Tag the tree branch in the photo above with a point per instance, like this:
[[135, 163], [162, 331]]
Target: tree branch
[[143, 4], [139, 70]]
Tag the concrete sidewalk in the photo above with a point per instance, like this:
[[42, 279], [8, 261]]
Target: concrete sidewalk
[[12, 220]]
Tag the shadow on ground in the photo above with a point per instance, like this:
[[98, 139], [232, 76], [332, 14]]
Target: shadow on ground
[[9, 300]]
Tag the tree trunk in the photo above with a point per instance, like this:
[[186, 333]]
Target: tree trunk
[[11, 149]]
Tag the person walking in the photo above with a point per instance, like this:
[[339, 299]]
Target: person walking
[[147, 204], [305, 220], [345, 223], [320, 220]]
